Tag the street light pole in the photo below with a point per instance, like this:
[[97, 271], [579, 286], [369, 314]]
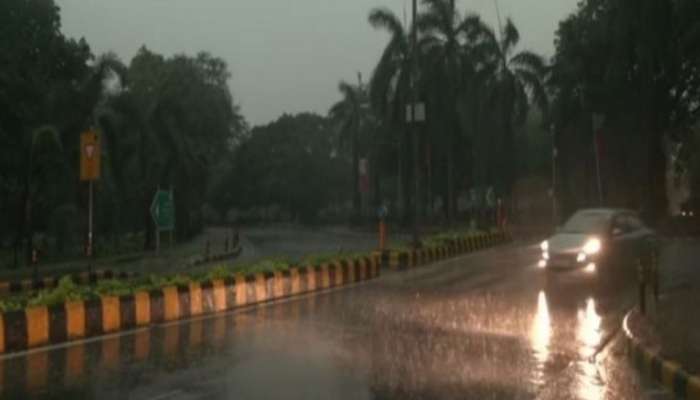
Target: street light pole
[[413, 126], [554, 174]]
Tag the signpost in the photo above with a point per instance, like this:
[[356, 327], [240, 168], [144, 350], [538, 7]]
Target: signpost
[[163, 213], [90, 157]]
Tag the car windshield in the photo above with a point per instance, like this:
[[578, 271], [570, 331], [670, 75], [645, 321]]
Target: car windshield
[[587, 222]]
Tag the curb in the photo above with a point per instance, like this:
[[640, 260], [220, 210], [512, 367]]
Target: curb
[[401, 260], [83, 278], [667, 373], [41, 326]]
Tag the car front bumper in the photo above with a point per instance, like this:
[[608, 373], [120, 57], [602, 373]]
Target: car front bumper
[[568, 261]]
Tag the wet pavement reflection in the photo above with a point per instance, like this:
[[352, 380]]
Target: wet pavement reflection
[[541, 335], [487, 326]]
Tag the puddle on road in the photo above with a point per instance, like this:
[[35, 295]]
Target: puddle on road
[[540, 337], [589, 385]]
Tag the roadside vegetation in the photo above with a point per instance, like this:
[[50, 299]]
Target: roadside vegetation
[[67, 290], [624, 72]]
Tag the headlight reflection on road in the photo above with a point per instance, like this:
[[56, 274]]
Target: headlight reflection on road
[[590, 386], [589, 329], [541, 334]]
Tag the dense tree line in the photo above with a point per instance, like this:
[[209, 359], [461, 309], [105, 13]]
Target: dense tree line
[[628, 67], [619, 99], [477, 90], [291, 165], [635, 65], [163, 122]]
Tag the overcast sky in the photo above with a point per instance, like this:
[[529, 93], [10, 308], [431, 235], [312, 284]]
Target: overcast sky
[[284, 55]]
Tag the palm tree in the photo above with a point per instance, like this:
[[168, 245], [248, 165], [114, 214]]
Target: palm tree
[[390, 86], [349, 114], [443, 36], [475, 68], [514, 75]]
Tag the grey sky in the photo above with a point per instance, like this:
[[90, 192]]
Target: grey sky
[[284, 55]]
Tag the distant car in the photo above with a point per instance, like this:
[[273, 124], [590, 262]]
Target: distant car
[[598, 241], [690, 208]]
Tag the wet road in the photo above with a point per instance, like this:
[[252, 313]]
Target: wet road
[[484, 326]]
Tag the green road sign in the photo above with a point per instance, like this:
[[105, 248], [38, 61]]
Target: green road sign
[[163, 210]]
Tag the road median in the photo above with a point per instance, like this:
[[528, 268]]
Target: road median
[[648, 359], [442, 247], [121, 307], [39, 326]]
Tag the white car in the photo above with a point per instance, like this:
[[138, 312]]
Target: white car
[[595, 239]]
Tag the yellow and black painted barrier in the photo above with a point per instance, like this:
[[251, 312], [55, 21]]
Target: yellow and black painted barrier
[[84, 278], [403, 259], [669, 374], [67, 372], [41, 326]]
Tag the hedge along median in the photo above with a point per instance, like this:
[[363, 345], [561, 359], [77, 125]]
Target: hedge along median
[[83, 278], [440, 247], [72, 312]]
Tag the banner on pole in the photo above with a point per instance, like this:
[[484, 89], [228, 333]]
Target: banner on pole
[[90, 154]]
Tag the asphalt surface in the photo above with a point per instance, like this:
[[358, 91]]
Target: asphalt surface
[[485, 326]]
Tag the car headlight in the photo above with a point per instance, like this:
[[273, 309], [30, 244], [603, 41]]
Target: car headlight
[[544, 245], [592, 246]]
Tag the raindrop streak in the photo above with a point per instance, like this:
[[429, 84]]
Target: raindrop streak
[[541, 336], [590, 386]]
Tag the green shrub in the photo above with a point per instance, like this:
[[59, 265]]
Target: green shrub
[[216, 273], [65, 291], [114, 287], [13, 303]]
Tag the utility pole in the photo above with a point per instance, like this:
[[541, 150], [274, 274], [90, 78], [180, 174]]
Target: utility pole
[[413, 126], [90, 221], [554, 174], [498, 16], [90, 155]]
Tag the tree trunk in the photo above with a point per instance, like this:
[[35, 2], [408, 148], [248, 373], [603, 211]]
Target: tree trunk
[[19, 235], [450, 178], [400, 199], [658, 207], [147, 221], [25, 214], [657, 177], [148, 224], [376, 188], [356, 175]]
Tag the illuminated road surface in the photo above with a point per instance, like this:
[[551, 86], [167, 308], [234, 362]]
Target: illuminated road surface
[[485, 326]]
